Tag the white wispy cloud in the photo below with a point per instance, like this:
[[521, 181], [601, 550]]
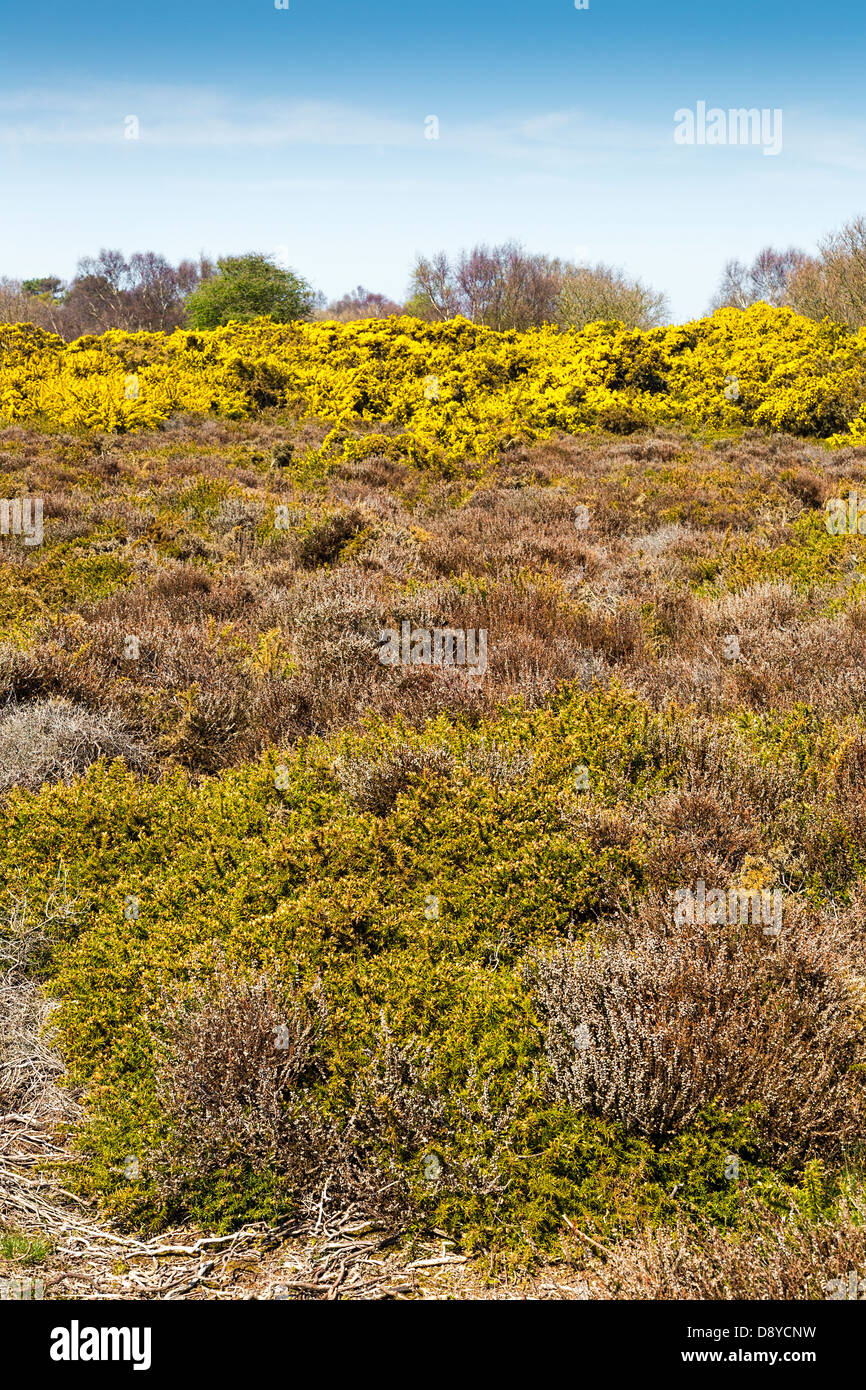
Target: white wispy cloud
[[183, 117], [201, 118], [179, 118]]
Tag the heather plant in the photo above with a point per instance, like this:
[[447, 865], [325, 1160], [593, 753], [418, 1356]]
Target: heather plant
[[786, 1255], [259, 812], [48, 740], [650, 1031], [302, 878], [233, 1068], [31, 1067], [375, 784], [503, 767]]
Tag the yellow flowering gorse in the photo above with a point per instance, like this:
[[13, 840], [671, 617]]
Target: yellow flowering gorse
[[454, 391]]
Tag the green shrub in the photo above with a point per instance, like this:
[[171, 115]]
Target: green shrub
[[413, 917]]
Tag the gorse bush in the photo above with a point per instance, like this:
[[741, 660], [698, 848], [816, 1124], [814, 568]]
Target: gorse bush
[[450, 392]]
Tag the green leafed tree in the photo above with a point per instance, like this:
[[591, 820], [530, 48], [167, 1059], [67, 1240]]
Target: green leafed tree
[[246, 288], [49, 286]]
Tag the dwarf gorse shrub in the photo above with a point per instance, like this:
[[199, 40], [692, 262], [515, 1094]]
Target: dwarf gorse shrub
[[428, 1088], [418, 906]]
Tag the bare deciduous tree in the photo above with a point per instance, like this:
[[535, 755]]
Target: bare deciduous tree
[[833, 284], [17, 305], [360, 304], [767, 280], [600, 292], [502, 287], [108, 291], [433, 293], [144, 293]]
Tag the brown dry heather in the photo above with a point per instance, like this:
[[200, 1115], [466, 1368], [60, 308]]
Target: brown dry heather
[[46, 740], [234, 1055], [777, 1257], [675, 1018], [448, 892], [251, 635]]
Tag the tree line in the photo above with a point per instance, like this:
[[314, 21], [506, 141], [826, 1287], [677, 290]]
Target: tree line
[[500, 286], [831, 284], [503, 287]]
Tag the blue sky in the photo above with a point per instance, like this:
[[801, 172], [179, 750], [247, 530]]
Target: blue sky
[[302, 132]]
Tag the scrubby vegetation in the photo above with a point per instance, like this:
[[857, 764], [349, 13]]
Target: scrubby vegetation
[[404, 936], [450, 394]]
